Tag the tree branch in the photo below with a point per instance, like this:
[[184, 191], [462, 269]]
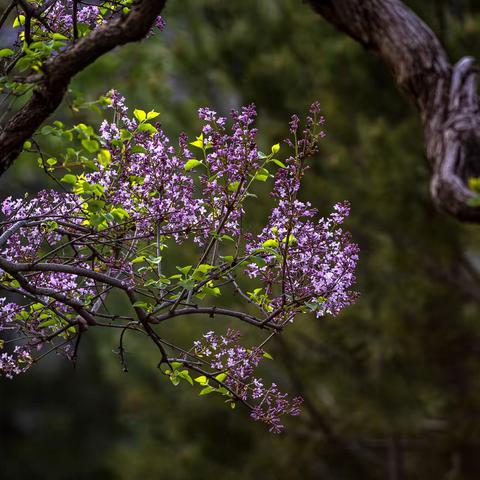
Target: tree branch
[[50, 86], [444, 94]]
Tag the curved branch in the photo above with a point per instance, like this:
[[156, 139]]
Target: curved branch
[[214, 311], [444, 94], [12, 267], [51, 85]]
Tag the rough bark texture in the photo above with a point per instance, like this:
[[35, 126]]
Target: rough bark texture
[[51, 85], [445, 94]]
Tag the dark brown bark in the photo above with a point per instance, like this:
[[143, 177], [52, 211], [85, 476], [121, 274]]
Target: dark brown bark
[[444, 94], [51, 85]]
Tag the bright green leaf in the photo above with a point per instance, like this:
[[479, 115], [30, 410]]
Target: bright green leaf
[[152, 114], [192, 164], [69, 178], [275, 148], [270, 243], [207, 390], [221, 377], [104, 157], [140, 115], [6, 52]]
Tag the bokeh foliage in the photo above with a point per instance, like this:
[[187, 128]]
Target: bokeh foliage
[[392, 385]]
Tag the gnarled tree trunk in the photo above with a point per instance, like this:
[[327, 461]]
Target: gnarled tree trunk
[[445, 94]]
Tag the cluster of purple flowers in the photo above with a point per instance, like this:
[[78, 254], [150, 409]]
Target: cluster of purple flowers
[[62, 253], [231, 158], [16, 363], [165, 196], [147, 177], [318, 257], [227, 356], [58, 16]]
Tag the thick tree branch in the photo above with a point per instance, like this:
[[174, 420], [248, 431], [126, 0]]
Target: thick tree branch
[[51, 85], [444, 94]]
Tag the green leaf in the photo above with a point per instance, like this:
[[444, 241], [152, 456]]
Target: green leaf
[[227, 237], [6, 52], [104, 157], [199, 274], [139, 259], [140, 115], [197, 143], [186, 376], [125, 134], [91, 146], [155, 260], [267, 355], [20, 20], [140, 304], [152, 114], [207, 390], [147, 127], [119, 214], [291, 239], [187, 284], [204, 268], [270, 243], [261, 178], [83, 29], [221, 377], [275, 148], [24, 63], [215, 291], [48, 323], [192, 164], [51, 161], [69, 178], [277, 162], [233, 187], [202, 380], [58, 36], [185, 270], [95, 206]]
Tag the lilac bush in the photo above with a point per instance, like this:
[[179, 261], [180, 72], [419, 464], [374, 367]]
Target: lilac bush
[[125, 196]]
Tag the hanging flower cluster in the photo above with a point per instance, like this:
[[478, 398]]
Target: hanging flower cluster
[[225, 354], [126, 196]]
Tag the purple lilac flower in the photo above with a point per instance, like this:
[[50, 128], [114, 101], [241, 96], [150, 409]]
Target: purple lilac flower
[[239, 363]]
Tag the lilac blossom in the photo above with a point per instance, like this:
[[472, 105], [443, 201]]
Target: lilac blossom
[[226, 355], [59, 16], [129, 194]]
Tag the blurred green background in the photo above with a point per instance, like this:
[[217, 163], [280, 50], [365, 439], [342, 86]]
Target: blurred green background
[[392, 385]]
